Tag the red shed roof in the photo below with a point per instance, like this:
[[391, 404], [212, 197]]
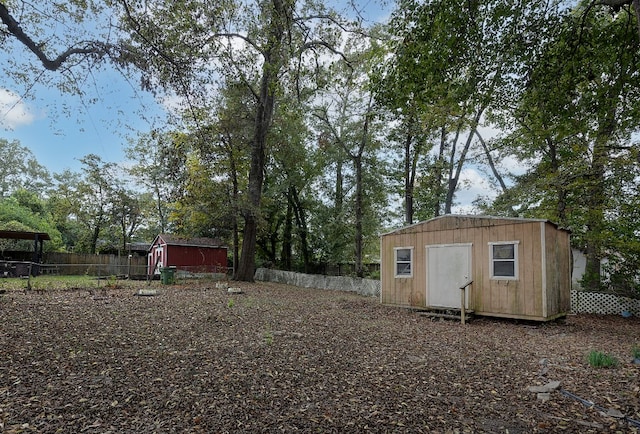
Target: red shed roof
[[175, 240]]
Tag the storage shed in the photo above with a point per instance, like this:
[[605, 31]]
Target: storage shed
[[518, 268], [195, 255]]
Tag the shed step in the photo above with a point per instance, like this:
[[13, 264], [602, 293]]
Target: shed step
[[450, 315]]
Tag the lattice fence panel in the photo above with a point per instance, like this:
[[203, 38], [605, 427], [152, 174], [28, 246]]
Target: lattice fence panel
[[604, 304]]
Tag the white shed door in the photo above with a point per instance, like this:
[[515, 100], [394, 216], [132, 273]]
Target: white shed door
[[448, 268]]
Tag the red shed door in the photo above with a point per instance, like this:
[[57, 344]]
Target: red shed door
[[448, 268]]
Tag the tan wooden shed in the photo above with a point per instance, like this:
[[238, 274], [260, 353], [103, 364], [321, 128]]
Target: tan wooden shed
[[518, 268]]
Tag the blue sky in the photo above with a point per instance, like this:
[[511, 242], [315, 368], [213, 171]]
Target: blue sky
[[59, 140]]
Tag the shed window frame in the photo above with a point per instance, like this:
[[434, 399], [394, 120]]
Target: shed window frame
[[514, 260], [397, 262]]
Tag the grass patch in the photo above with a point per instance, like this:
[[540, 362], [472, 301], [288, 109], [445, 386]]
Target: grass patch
[[598, 359], [635, 352], [67, 282]]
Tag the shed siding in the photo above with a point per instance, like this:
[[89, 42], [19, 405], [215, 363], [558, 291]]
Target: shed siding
[[521, 298], [191, 256], [558, 272]]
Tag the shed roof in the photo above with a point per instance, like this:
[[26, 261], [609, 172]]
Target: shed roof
[[175, 240], [455, 221], [22, 235]]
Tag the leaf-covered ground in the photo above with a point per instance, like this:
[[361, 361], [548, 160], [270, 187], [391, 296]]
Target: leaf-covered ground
[[277, 358]]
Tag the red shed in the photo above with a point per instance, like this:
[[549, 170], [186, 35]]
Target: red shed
[[196, 255]]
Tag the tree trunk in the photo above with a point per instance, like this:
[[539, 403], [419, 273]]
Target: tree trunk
[[595, 194], [561, 191], [359, 205], [454, 177], [301, 223], [595, 199], [235, 198], [437, 176], [264, 113], [285, 255], [339, 189], [246, 267], [494, 170], [408, 180], [94, 239], [358, 214]]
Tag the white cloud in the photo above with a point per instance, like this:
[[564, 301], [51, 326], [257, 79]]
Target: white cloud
[[472, 185], [13, 111], [514, 166]]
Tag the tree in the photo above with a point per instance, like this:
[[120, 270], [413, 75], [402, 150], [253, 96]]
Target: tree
[[288, 191], [53, 62], [452, 65], [160, 165], [127, 213], [576, 116], [20, 170], [221, 143], [348, 119], [275, 36], [87, 200]]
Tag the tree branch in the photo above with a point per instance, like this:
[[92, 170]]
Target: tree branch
[[239, 36], [13, 27]]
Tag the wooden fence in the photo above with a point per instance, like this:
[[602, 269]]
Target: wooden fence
[[93, 265]]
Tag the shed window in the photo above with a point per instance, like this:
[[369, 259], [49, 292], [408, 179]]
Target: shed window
[[404, 261], [504, 260]]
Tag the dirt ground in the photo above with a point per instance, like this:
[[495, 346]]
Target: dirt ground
[[195, 358]]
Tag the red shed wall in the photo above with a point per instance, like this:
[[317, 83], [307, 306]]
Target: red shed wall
[[191, 256]]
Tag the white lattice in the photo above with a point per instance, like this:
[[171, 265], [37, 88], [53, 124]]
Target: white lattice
[[604, 304]]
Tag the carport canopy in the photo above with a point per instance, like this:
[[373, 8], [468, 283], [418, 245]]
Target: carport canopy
[[37, 237]]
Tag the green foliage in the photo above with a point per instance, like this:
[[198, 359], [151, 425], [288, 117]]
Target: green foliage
[[20, 171], [635, 352], [598, 359], [24, 211], [573, 124]]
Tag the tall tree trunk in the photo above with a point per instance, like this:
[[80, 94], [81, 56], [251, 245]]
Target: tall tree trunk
[[264, 114], [492, 165], [437, 176], [235, 193], [595, 194], [595, 220], [301, 224], [285, 256], [94, 238], [408, 180], [159, 206], [561, 191], [358, 214], [454, 177], [595, 199], [339, 189], [359, 205]]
